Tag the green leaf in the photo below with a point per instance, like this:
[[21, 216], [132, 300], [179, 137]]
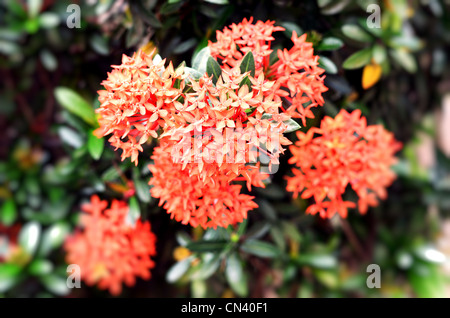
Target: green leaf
[[330, 44], [379, 53], [8, 212], [48, 60], [40, 267], [48, 20], [321, 261], [207, 246], [246, 81], [260, 248], [404, 59], [207, 267], [9, 275], [358, 59], [193, 73], [328, 65], [70, 137], [426, 280], [55, 284], [200, 59], [29, 237], [142, 187], [235, 275], [34, 7], [75, 104], [356, 33], [134, 212], [248, 64], [291, 27], [183, 238], [53, 237], [95, 145], [178, 270], [213, 68]]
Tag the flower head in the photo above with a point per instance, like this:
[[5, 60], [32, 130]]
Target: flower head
[[345, 152], [138, 96], [189, 201], [108, 249]]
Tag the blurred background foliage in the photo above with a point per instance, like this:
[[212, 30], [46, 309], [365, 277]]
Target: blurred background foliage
[[50, 163]]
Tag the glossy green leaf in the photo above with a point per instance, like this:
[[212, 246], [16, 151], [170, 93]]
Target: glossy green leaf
[[178, 270], [235, 275], [29, 236], [405, 60], [53, 237], [207, 246], [328, 65], [260, 248], [379, 53], [75, 104], [55, 284], [322, 261], [358, 59], [330, 44], [200, 59], [248, 64], [213, 68], [9, 275], [95, 145], [8, 212], [141, 186], [134, 212], [40, 267], [356, 33]]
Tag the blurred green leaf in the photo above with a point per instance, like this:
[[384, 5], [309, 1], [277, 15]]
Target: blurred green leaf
[[178, 270], [356, 33], [9, 275], [40, 267], [48, 20], [235, 275], [134, 212], [29, 237], [75, 104], [317, 261], [53, 237], [379, 53], [358, 59], [34, 7], [55, 284], [426, 280], [328, 65], [260, 248], [404, 59], [207, 246], [95, 145], [8, 212], [330, 44], [290, 27], [70, 137], [141, 186]]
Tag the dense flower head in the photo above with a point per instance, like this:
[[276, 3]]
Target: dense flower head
[[138, 95], [223, 129], [190, 201], [345, 153], [296, 74], [109, 250]]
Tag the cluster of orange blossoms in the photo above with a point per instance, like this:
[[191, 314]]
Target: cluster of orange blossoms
[[296, 75], [347, 152], [213, 131], [109, 250]]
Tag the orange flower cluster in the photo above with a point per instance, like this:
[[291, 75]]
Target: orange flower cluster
[[108, 250], [189, 201], [296, 74], [137, 99], [347, 152]]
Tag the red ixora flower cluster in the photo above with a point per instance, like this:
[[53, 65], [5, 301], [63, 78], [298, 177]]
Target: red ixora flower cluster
[[346, 152], [296, 75], [108, 249], [214, 130]]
